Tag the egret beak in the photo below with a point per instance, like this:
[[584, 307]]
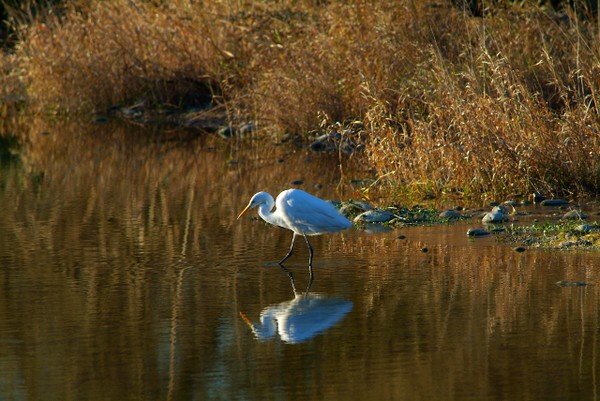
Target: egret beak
[[243, 211], [246, 320]]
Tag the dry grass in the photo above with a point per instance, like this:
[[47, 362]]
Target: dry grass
[[507, 103], [12, 91], [101, 54]]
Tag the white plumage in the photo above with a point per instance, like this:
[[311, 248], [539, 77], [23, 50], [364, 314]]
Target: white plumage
[[300, 212]]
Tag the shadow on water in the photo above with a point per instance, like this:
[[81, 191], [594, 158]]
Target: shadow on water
[[300, 319]]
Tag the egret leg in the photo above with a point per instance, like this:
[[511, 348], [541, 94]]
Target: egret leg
[[290, 252], [310, 267], [310, 253]]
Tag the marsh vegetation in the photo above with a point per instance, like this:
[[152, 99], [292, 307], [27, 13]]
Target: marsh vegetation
[[448, 98]]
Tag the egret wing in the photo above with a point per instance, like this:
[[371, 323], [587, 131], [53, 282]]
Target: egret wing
[[307, 214]]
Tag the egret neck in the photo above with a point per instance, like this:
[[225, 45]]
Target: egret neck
[[265, 213]]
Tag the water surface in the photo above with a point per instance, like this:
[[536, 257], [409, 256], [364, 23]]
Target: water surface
[[123, 273]]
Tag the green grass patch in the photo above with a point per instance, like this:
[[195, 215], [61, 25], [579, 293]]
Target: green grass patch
[[558, 235]]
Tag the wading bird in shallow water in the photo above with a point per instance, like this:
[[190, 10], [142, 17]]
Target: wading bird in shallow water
[[300, 212]]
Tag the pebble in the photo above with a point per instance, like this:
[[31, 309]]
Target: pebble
[[319, 146], [537, 197], [495, 216], [374, 216], [584, 228], [334, 141], [450, 214], [477, 232], [363, 205], [554, 202], [398, 220], [325, 143], [572, 283], [575, 215], [354, 207], [348, 210]]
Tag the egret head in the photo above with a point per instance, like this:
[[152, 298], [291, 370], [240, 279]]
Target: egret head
[[259, 198]]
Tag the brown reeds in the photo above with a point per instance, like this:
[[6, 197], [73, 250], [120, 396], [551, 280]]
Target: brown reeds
[[504, 103], [97, 55]]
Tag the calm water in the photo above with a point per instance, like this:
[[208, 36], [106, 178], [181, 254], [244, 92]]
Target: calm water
[[124, 276]]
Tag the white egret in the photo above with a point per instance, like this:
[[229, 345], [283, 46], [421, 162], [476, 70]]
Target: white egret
[[300, 212]]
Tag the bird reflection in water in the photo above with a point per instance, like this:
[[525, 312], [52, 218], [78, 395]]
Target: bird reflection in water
[[299, 319]]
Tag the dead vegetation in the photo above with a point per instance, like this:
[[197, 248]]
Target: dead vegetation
[[507, 102]]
